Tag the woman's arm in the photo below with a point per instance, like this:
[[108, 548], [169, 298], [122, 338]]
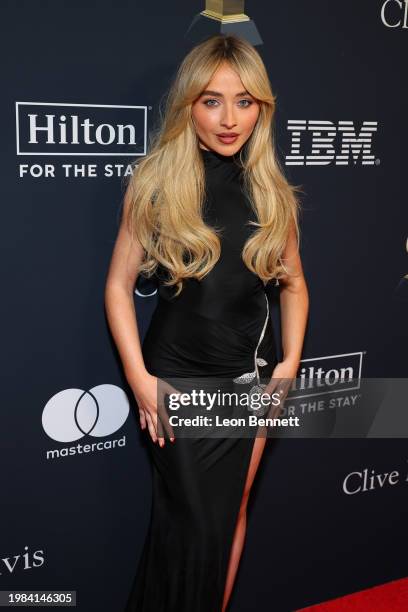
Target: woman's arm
[[119, 304], [294, 303], [121, 314]]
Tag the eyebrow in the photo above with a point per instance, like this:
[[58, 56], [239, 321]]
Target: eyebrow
[[209, 92]]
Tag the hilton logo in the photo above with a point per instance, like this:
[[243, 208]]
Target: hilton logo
[[326, 147], [333, 373], [44, 128]]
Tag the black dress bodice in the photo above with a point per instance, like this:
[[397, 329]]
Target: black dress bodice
[[230, 292]]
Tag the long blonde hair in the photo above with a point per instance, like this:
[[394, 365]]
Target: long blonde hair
[[167, 188]]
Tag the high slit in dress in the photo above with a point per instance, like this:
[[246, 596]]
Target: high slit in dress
[[217, 327]]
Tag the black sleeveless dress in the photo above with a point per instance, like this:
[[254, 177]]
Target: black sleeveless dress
[[217, 327]]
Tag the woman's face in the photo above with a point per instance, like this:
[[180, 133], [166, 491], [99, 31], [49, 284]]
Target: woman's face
[[224, 108]]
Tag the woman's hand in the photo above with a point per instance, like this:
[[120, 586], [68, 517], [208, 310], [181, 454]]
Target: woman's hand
[[285, 369], [281, 380], [149, 392]]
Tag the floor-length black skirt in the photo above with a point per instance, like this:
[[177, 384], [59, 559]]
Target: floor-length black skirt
[[198, 482]]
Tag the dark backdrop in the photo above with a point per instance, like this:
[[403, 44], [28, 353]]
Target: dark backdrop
[[76, 520]]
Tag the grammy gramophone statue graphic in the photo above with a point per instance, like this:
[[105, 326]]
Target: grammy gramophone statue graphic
[[402, 288], [223, 17]]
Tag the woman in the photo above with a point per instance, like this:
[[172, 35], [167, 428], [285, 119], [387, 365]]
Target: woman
[[210, 214]]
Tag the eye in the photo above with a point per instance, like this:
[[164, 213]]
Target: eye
[[210, 100], [249, 103]]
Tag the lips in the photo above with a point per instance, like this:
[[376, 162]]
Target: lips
[[227, 138]]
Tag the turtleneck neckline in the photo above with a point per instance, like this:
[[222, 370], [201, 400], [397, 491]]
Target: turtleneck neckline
[[211, 156]]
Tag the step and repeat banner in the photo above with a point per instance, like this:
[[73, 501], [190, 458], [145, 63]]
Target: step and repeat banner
[[81, 89]]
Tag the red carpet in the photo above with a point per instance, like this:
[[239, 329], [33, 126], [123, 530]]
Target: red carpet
[[389, 597]]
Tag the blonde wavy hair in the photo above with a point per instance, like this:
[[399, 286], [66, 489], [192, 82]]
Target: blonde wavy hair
[[167, 187]]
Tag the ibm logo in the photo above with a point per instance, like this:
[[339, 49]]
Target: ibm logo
[[325, 149], [46, 128]]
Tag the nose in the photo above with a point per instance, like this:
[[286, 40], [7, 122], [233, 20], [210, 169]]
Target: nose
[[228, 118]]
